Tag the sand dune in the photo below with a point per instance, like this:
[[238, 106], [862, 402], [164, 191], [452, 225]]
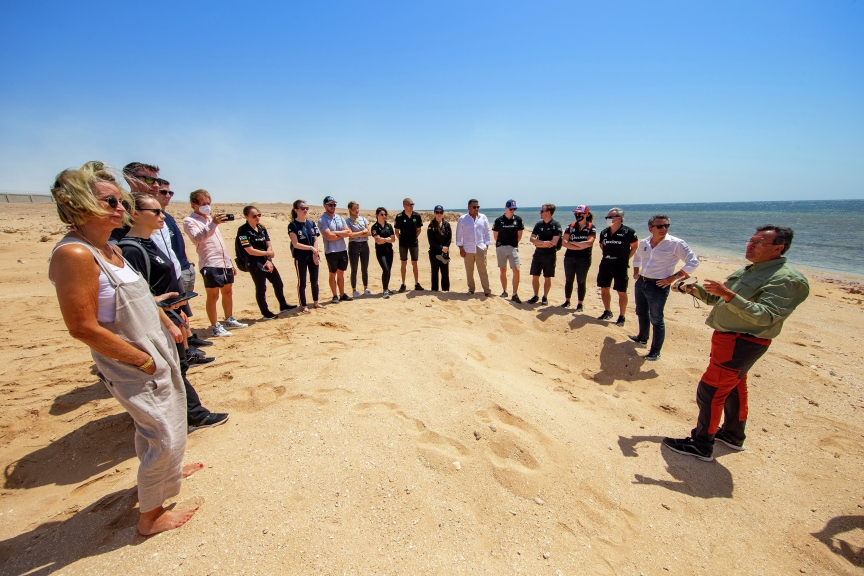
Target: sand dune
[[347, 426]]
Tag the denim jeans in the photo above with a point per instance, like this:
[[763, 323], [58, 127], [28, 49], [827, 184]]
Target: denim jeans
[[650, 301]]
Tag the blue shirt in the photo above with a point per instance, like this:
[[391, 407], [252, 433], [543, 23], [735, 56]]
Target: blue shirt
[[358, 225], [336, 223]]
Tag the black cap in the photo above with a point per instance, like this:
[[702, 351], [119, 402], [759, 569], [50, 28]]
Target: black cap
[[328, 199]]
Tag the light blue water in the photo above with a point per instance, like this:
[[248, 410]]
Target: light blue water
[[829, 234]]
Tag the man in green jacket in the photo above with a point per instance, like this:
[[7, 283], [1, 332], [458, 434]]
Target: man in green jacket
[[749, 310]]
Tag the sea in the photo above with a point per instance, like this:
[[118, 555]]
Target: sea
[[829, 234]]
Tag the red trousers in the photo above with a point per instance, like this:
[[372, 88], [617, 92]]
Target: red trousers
[[723, 388]]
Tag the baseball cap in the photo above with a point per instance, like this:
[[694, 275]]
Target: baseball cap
[[581, 209], [510, 204], [329, 199], [437, 208]]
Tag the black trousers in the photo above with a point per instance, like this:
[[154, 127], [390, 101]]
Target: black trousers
[[195, 412], [444, 269], [385, 259], [260, 278], [576, 268], [359, 251], [302, 266]]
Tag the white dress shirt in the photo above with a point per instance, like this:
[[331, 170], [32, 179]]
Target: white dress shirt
[[659, 262], [473, 234], [162, 239]]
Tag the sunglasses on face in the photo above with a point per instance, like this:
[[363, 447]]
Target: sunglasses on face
[[438, 212], [412, 204], [168, 193], [331, 205], [304, 208], [156, 211], [474, 207], [149, 180], [254, 215], [661, 225]]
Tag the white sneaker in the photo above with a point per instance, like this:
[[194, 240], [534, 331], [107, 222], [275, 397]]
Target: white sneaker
[[367, 292], [356, 294], [218, 331], [231, 322]]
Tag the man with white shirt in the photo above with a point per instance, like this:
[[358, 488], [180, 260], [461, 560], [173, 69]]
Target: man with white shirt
[[654, 266], [472, 238]]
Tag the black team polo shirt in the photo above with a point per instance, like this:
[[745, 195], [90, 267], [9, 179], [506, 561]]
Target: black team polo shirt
[[508, 230]]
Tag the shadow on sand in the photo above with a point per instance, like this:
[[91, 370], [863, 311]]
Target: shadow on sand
[[839, 525]]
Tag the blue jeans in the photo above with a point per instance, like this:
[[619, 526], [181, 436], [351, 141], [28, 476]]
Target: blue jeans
[[650, 301]]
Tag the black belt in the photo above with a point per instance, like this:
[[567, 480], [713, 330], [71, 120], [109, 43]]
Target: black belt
[[649, 279]]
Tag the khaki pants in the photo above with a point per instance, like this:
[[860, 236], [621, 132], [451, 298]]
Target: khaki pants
[[478, 258]]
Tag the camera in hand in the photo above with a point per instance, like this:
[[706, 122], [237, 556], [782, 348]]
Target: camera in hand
[[229, 217]]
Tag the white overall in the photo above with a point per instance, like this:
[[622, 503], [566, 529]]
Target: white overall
[[157, 402]]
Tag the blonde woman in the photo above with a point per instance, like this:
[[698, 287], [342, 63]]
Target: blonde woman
[[108, 306]]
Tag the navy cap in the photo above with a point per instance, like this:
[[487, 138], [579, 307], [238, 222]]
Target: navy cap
[[329, 199], [510, 204], [438, 207]]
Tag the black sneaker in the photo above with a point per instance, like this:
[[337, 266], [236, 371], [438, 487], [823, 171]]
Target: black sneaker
[[516, 299], [209, 421], [721, 436], [345, 298], [287, 307], [504, 294], [418, 288], [607, 315], [193, 352], [638, 340], [687, 447], [198, 342], [652, 356], [197, 361], [566, 304], [544, 301], [402, 288], [579, 308], [533, 300], [620, 321]]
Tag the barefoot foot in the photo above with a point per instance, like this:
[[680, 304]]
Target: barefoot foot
[[190, 469], [160, 520], [305, 310], [317, 305]]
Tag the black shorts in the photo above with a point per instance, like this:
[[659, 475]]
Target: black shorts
[[544, 263], [403, 252], [613, 272], [337, 261], [217, 277]]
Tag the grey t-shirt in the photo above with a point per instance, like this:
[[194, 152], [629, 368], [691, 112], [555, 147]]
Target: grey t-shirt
[[336, 224], [358, 225]]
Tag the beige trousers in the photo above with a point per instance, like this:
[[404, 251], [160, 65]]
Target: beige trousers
[[478, 259]]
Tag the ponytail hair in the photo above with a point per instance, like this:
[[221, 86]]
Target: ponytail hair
[[294, 208]]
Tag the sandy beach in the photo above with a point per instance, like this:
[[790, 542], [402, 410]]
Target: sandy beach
[[434, 433]]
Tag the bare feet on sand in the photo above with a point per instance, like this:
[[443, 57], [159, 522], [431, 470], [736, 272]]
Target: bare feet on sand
[[305, 310], [190, 469], [317, 305], [160, 520]]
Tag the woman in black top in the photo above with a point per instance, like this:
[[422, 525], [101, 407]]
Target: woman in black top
[[304, 239], [142, 254], [579, 239], [254, 238], [384, 236], [440, 236]]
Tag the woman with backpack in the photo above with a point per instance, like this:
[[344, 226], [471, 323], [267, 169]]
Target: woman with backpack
[[255, 253]]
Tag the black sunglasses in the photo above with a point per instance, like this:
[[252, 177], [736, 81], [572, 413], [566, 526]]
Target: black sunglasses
[[438, 212], [331, 204], [168, 193], [156, 211], [305, 208], [661, 225], [112, 201]]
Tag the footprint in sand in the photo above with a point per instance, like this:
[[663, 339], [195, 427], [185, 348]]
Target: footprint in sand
[[254, 398], [476, 355]]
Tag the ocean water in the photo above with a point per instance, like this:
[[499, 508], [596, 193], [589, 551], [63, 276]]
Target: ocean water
[[829, 234]]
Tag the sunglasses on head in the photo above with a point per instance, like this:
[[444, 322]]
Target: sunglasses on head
[[156, 211], [661, 225], [168, 193]]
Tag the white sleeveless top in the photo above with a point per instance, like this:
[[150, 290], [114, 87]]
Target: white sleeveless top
[[107, 297]]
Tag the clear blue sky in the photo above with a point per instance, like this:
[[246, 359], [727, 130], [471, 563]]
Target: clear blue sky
[[572, 102]]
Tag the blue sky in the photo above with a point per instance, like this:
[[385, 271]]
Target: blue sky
[[575, 102]]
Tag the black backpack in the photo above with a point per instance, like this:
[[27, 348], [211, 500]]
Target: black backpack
[[560, 241], [240, 255]]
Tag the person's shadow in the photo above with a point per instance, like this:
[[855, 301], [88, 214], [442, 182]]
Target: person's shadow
[[106, 525], [78, 397], [96, 447], [620, 361], [839, 525], [693, 477]]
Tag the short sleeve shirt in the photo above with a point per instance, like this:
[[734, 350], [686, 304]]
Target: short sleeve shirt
[[306, 233], [385, 231], [546, 232], [358, 224], [408, 227], [508, 230], [333, 223], [256, 238], [573, 234], [616, 246]]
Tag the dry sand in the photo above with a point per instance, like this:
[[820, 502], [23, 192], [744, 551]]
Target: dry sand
[[346, 425]]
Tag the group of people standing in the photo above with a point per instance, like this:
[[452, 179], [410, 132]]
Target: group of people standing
[[117, 269]]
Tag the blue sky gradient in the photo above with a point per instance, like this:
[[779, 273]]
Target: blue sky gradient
[[612, 102]]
